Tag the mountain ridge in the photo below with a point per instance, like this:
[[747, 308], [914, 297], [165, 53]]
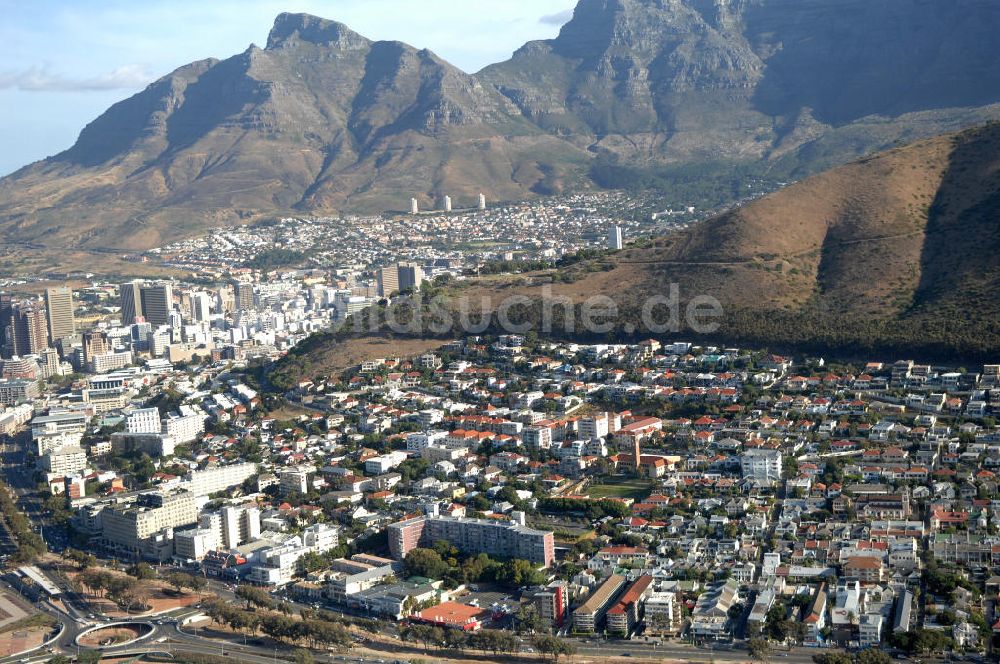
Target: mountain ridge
[[891, 255], [323, 120]]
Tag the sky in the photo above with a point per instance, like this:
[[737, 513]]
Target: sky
[[63, 62]]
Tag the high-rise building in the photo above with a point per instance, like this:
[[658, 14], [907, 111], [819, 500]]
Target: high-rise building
[[158, 339], [59, 305], [409, 275], [447, 203], [6, 317], [482, 201], [615, 238], [388, 280], [761, 464], [414, 206], [244, 296], [131, 301], [201, 307], [157, 303], [127, 528], [30, 329], [227, 299], [95, 342]]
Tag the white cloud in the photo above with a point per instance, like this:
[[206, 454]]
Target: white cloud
[[559, 18], [41, 78]]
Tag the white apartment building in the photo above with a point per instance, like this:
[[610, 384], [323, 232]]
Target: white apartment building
[[594, 426], [761, 464], [64, 461], [235, 525], [221, 478], [143, 420], [537, 437], [195, 543], [384, 463], [105, 362], [184, 428], [417, 441], [295, 479], [663, 614]]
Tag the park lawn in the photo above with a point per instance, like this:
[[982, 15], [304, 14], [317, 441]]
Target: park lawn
[[631, 487]]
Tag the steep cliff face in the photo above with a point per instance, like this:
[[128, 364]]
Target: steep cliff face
[[323, 119], [320, 120], [678, 80]]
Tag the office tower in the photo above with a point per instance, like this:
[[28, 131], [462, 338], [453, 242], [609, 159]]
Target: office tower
[[388, 280], [482, 201], [95, 342], [201, 307], [6, 317], [447, 203], [414, 206], [244, 296], [30, 329], [158, 339], [409, 275], [615, 238], [59, 305], [49, 363], [131, 301], [227, 300], [157, 303]]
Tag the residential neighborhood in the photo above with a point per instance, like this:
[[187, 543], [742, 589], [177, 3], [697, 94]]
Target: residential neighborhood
[[659, 491]]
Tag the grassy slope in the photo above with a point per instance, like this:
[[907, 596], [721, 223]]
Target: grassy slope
[[892, 254]]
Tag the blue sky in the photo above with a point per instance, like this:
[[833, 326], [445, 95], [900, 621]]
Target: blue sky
[[62, 62]]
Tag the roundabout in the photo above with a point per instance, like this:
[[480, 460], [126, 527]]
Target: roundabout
[[114, 635]]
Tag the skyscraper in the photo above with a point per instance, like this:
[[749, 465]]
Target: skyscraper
[[157, 303], [201, 307], [59, 305], [409, 275], [244, 296], [6, 316], [95, 342], [615, 238], [388, 280], [131, 301], [30, 329]]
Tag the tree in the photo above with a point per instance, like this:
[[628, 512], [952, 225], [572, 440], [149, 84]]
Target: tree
[[88, 657], [181, 580], [833, 658], [760, 649], [303, 656], [528, 620], [142, 571], [254, 596], [872, 656], [82, 559], [553, 646], [425, 562]]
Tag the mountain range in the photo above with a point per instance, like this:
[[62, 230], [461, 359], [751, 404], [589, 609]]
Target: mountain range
[[324, 120], [890, 255]]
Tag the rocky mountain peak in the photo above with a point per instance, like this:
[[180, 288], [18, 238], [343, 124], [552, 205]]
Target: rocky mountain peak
[[290, 29]]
